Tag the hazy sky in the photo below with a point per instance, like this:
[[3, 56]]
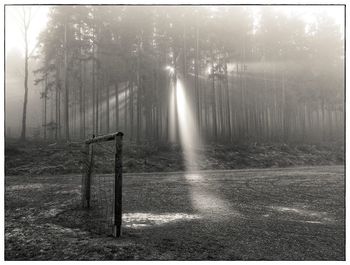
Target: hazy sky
[[13, 17], [14, 37]]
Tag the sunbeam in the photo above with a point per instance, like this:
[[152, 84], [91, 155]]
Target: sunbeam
[[172, 125], [188, 130], [202, 200]]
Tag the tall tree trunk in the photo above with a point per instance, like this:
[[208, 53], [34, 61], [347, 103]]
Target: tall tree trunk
[[117, 106], [66, 101], [45, 106], [243, 126], [81, 78], [323, 118], [56, 104], [25, 102], [330, 124], [131, 107], [198, 114], [107, 105], [97, 97], [184, 53], [221, 106], [93, 92], [126, 107], [74, 113], [97, 80], [138, 105], [84, 100], [283, 109], [59, 115], [157, 104], [215, 128], [177, 132], [228, 110]]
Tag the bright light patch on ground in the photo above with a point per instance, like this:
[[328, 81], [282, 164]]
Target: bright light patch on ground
[[306, 213], [296, 210], [193, 177], [313, 222], [141, 220], [74, 191], [24, 187], [207, 202]]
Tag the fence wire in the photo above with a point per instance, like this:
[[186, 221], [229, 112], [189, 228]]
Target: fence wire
[[102, 186], [56, 198]]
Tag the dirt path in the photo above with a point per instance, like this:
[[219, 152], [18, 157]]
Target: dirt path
[[270, 214]]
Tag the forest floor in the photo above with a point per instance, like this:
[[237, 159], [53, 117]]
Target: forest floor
[[51, 159], [252, 214]]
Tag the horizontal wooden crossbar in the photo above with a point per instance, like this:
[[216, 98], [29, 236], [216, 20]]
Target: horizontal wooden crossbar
[[103, 138]]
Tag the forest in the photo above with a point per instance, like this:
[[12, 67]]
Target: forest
[[249, 76], [174, 132]]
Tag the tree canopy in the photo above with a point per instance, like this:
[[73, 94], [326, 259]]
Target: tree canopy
[[264, 79]]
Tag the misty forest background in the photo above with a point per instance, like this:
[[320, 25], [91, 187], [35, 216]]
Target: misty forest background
[[264, 89], [251, 77]]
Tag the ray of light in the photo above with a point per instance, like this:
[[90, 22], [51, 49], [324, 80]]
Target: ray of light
[[203, 200]]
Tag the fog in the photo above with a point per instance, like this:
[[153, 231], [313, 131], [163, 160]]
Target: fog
[[247, 70], [14, 93]]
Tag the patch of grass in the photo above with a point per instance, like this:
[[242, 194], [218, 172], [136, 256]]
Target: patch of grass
[[151, 156]]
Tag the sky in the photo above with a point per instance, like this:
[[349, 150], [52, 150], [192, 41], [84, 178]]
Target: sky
[[14, 37], [309, 13], [13, 26]]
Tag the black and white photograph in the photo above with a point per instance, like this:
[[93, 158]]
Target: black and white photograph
[[174, 132]]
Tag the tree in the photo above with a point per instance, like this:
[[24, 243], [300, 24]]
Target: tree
[[26, 19], [270, 78]]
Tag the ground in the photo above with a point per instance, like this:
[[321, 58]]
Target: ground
[[253, 214]]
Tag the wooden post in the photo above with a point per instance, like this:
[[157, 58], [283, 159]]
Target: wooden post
[[89, 160], [86, 189], [103, 138], [87, 179], [118, 186], [84, 174]]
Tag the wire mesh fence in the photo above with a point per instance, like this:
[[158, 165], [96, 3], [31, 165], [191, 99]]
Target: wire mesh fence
[[37, 197], [102, 194]]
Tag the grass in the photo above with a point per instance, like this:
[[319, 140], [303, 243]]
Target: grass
[[262, 214], [39, 158]]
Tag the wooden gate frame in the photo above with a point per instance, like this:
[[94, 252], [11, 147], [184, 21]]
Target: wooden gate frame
[[118, 181]]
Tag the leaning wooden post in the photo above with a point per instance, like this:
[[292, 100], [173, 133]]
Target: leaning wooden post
[[89, 156], [88, 177], [84, 174], [118, 186]]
